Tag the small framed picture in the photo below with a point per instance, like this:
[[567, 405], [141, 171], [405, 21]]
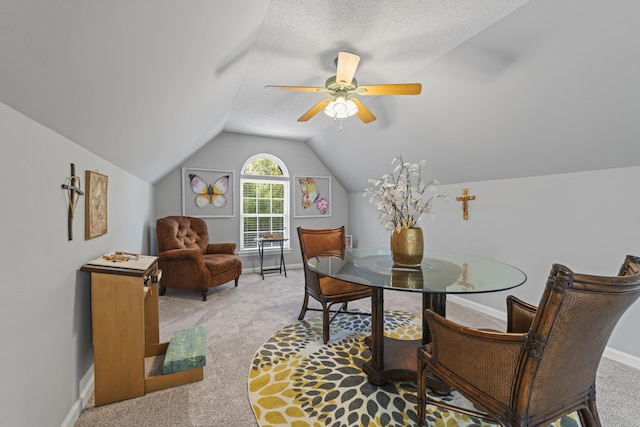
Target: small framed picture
[[311, 196], [95, 205], [207, 193]]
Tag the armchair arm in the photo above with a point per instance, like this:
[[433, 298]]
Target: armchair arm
[[472, 360], [183, 266], [519, 315], [221, 248], [180, 254]]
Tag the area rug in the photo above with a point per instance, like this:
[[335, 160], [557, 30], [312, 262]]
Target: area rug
[[295, 380]]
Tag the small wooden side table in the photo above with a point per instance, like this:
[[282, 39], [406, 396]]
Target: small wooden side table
[[281, 266]]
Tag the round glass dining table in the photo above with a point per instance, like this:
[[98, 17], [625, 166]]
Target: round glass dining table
[[439, 274]]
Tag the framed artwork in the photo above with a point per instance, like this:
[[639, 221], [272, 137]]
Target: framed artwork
[[207, 193], [95, 205], [312, 196]]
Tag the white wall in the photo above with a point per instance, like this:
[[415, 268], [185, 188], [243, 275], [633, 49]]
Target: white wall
[[45, 306], [586, 221], [229, 151]]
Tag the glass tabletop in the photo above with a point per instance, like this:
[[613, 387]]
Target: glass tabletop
[[440, 272]]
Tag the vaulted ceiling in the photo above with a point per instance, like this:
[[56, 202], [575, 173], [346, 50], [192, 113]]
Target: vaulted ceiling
[[511, 88]]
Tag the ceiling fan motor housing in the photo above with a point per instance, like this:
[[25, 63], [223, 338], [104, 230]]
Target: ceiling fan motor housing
[[332, 85]]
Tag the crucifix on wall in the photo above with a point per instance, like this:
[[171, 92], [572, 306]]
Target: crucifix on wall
[[72, 187], [465, 202]]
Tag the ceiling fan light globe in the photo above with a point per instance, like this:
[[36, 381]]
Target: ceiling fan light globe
[[341, 108]]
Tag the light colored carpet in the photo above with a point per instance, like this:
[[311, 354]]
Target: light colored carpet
[[239, 320]]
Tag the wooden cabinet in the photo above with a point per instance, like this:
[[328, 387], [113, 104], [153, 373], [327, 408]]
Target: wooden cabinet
[[124, 305]]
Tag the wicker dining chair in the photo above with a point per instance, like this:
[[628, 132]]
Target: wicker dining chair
[[327, 291], [545, 366]]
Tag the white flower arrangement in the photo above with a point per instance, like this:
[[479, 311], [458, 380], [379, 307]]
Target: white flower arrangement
[[401, 202]]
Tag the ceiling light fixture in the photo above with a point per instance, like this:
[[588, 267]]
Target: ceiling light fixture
[[341, 108], [344, 93]]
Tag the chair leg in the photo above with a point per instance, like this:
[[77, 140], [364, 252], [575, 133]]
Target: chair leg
[[325, 323], [204, 294], [421, 391], [237, 281], [304, 306], [163, 290], [589, 416], [344, 307]]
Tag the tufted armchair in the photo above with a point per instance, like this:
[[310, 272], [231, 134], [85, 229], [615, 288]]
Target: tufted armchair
[[188, 260]]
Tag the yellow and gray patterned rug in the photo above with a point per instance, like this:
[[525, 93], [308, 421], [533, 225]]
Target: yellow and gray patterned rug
[[295, 380]]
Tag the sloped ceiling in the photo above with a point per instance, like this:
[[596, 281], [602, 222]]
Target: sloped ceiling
[[510, 87]]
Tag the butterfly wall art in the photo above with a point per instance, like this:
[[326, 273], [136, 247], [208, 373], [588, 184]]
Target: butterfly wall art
[[313, 197], [309, 190], [207, 193]]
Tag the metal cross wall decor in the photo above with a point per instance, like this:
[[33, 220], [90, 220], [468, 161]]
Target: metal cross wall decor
[[72, 185], [465, 199]]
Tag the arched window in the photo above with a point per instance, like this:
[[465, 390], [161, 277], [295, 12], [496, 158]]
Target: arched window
[[264, 201]]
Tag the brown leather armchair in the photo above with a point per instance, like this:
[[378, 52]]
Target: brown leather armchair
[[327, 291], [188, 260], [545, 366]]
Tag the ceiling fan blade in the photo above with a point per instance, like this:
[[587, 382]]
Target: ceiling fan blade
[[298, 88], [346, 67], [391, 89], [314, 110], [363, 112]]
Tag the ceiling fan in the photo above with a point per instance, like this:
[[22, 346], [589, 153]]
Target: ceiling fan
[[341, 103]]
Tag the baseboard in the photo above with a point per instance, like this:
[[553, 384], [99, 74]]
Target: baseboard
[[609, 353], [496, 314], [86, 390], [624, 358]]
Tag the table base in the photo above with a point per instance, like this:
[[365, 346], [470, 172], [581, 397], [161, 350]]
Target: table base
[[401, 364], [397, 360]]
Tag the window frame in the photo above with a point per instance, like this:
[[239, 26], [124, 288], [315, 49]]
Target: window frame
[[283, 179]]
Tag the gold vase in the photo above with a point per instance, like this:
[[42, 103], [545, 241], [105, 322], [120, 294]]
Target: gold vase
[[406, 278], [407, 246]]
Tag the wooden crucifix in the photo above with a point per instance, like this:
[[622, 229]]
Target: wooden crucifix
[[465, 199], [72, 185]]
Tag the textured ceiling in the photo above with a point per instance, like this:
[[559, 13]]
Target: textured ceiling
[[510, 88], [299, 41]]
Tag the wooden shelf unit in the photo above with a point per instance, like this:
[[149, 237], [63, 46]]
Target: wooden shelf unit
[[124, 309]]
